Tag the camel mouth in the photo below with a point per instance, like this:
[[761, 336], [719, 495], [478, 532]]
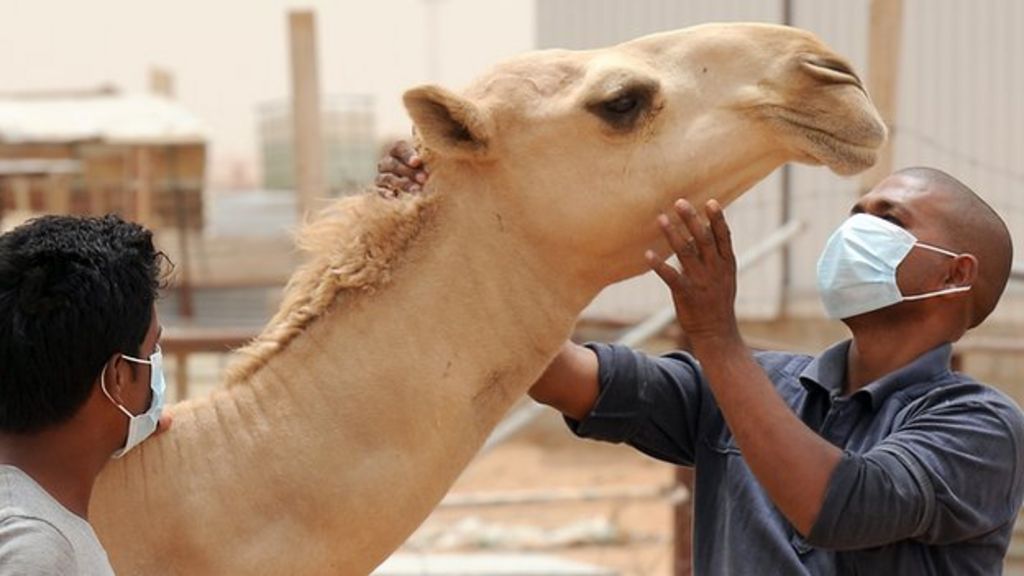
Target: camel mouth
[[853, 151]]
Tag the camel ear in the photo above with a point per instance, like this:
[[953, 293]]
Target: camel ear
[[448, 123]]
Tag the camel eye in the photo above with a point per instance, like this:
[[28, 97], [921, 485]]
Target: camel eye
[[621, 105], [626, 107]]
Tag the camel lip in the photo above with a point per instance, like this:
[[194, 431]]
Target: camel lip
[[842, 155], [870, 144]]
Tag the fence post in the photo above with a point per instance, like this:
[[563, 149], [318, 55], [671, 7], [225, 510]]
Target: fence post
[[682, 540], [682, 552]]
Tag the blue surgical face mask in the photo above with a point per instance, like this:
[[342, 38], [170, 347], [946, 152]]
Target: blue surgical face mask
[[142, 426], [857, 269]]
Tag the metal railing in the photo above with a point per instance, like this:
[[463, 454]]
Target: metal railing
[[644, 331]]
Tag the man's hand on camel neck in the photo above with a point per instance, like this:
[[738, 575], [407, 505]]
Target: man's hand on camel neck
[[402, 171]]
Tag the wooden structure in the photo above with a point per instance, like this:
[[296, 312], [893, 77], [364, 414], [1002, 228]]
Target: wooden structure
[[309, 153], [140, 156]]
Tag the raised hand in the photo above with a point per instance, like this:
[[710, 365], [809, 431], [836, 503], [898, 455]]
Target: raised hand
[[704, 289], [401, 171]]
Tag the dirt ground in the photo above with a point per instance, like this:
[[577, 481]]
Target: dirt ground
[[633, 537]]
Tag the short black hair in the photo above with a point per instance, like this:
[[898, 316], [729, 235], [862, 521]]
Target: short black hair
[[73, 291], [976, 228]]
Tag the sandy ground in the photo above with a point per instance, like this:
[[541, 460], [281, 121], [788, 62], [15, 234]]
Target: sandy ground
[[633, 537]]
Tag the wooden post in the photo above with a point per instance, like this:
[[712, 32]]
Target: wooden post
[[161, 82], [97, 196], [59, 197], [22, 193], [144, 186], [306, 117], [181, 380], [682, 548], [885, 38], [3, 201]]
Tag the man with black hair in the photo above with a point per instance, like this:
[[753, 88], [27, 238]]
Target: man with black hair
[[80, 380], [873, 457]]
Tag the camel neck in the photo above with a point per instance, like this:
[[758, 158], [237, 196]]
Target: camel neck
[[493, 314]]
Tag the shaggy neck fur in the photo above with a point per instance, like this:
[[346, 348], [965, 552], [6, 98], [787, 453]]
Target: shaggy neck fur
[[354, 247]]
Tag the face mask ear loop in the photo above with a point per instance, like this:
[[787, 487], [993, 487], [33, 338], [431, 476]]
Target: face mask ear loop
[[136, 360], [103, 386], [953, 290], [943, 292], [942, 251]]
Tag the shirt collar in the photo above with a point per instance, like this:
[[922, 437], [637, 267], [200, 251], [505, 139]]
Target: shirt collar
[[828, 372]]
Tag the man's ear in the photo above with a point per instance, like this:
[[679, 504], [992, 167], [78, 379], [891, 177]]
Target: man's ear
[[963, 271], [448, 123], [112, 378]]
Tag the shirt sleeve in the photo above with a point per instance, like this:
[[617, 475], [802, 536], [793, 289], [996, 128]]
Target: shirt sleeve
[[32, 546], [651, 403], [949, 474]]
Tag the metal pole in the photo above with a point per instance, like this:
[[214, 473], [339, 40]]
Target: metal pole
[[1017, 272], [642, 332], [786, 184], [562, 495]]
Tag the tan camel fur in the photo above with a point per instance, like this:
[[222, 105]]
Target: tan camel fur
[[419, 321]]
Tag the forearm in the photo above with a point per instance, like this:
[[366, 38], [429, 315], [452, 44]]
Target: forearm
[[569, 384], [789, 459]]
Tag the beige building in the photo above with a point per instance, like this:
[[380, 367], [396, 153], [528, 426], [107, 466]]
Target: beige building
[[95, 152]]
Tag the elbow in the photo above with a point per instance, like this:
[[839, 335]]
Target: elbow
[[820, 538], [803, 523]]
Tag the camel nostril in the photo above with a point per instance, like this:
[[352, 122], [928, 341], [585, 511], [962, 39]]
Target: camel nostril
[[832, 69]]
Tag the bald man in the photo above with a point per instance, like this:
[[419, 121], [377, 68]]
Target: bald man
[[871, 458]]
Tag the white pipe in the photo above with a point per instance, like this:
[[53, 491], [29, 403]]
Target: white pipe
[[561, 495], [645, 330]]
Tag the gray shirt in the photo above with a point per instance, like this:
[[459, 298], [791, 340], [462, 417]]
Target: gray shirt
[[40, 537], [930, 481]]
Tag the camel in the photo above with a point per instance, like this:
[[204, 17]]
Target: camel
[[417, 322]]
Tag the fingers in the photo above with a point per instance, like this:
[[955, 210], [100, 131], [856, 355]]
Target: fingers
[[703, 239], [396, 166], [683, 247], [667, 273], [720, 229], [397, 184], [163, 424], [404, 152]]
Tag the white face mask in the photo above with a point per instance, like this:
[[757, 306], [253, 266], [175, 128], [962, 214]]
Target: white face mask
[[141, 426], [857, 269]]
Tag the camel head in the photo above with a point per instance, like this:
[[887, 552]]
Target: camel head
[[577, 151]]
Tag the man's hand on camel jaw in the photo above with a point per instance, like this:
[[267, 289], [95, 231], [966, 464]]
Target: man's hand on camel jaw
[[704, 286], [401, 171]]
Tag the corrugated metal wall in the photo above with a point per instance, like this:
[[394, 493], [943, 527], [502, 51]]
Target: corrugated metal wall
[[960, 109]]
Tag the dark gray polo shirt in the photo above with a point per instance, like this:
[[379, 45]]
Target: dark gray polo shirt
[[930, 481]]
